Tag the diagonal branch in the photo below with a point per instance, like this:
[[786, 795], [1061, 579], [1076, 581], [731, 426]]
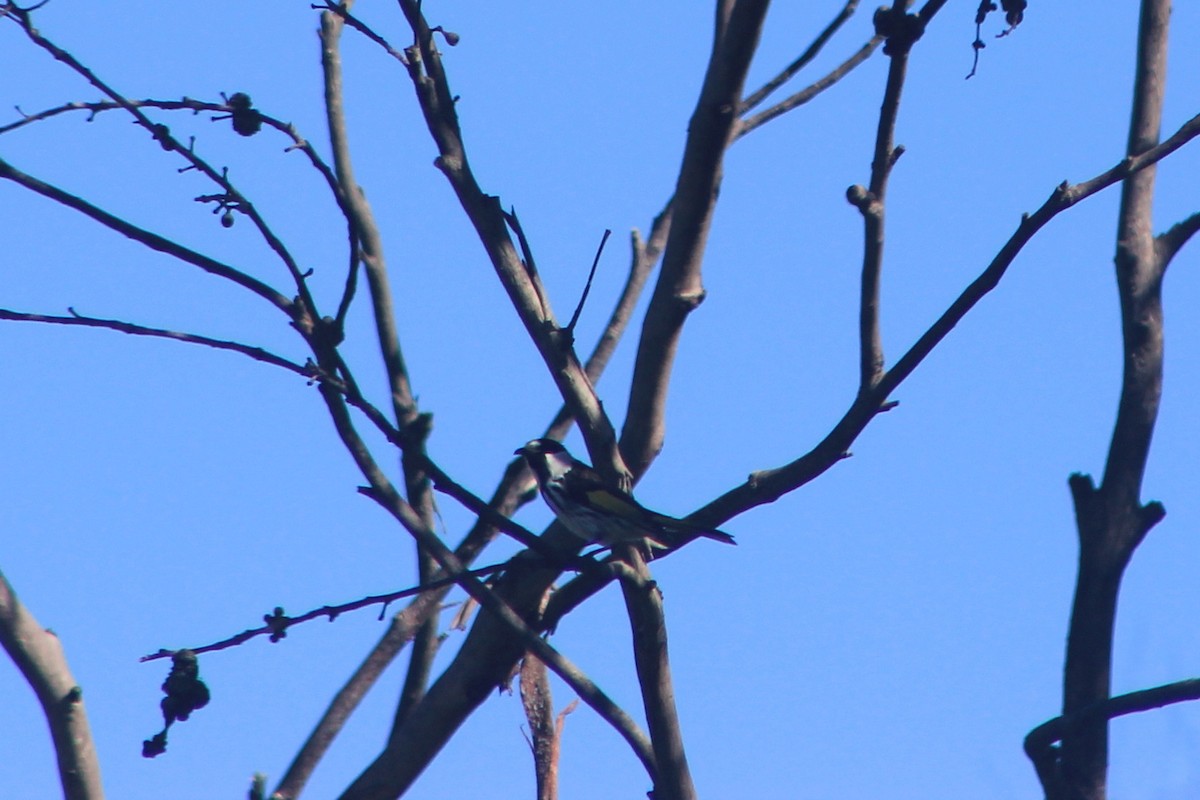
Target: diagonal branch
[[162, 135], [554, 344], [1040, 742], [151, 240], [801, 97], [257, 353], [39, 656], [679, 290], [811, 52], [769, 485], [1170, 241]]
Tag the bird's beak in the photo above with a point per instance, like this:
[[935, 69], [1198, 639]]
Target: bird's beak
[[520, 451]]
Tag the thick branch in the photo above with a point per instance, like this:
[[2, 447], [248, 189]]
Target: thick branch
[[679, 290], [1112, 520], [643, 603], [1040, 742], [39, 656]]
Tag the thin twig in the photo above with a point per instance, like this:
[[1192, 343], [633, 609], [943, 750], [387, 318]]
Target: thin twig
[[342, 10], [811, 52], [570, 329], [257, 353], [163, 137], [151, 240], [811, 91], [872, 202], [277, 623]]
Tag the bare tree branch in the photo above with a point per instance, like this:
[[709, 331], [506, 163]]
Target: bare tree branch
[[39, 656], [1040, 742], [768, 486], [1172, 240], [401, 630], [801, 97], [811, 52], [437, 104], [151, 240], [1111, 519], [679, 289], [404, 407], [278, 623], [257, 353], [647, 622], [163, 136], [871, 201]]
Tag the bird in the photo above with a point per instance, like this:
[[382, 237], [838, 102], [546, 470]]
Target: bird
[[597, 513]]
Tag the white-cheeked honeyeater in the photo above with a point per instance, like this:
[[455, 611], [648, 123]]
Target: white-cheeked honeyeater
[[597, 513]]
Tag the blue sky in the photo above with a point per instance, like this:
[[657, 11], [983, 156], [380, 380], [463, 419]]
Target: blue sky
[[892, 629]]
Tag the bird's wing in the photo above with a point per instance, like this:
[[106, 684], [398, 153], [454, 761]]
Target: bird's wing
[[617, 503], [585, 486], [682, 526]]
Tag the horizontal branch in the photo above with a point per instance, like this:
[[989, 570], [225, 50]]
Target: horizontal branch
[[1040, 742], [257, 353], [277, 622]]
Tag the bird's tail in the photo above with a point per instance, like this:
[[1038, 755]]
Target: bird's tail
[[682, 526], [720, 536]]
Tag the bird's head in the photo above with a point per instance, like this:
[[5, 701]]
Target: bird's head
[[540, 447], [547, 457]]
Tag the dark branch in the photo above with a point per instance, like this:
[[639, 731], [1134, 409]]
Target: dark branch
[[151, 240], [257, 353], [277, 623], [570, 329], [811, 52]]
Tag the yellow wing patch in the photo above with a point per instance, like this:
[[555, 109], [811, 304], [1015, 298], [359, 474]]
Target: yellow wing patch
[[612, 503]]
